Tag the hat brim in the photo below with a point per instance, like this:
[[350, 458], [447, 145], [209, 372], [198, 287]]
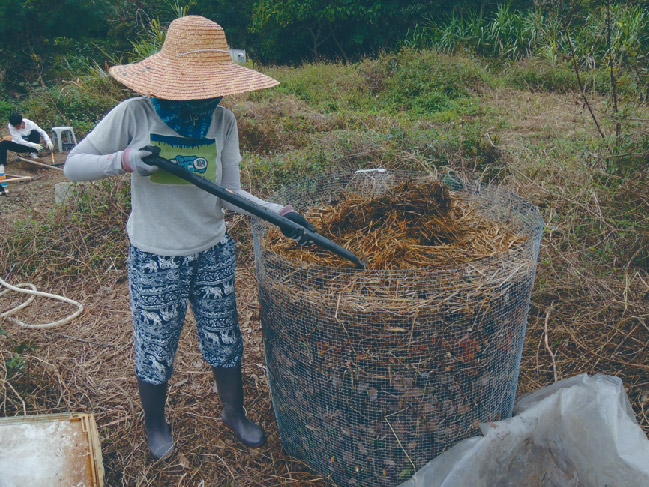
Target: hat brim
[[157, 76]]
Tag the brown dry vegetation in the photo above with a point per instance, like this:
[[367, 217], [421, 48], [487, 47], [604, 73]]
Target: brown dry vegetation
[[590, 306], [584, 317], [414, 225]]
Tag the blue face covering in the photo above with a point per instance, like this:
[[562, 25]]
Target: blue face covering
[[190, 118]]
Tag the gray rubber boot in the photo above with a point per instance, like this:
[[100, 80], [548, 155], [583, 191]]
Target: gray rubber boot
[[230, 387], [158, 432]]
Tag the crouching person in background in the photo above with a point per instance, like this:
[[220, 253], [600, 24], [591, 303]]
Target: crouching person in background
[[25, 138]]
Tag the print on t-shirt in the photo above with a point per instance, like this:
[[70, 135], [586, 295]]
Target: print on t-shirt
[[195, 155]]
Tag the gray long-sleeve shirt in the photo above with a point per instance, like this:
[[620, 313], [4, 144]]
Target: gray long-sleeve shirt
[[169, 216]]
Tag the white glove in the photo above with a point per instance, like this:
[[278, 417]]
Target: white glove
[[132, 162], [50, 146], [34, 145]]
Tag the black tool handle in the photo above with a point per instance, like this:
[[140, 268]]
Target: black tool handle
[[245, 204]]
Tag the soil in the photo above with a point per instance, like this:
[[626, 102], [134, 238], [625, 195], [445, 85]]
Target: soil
[[35, 194]]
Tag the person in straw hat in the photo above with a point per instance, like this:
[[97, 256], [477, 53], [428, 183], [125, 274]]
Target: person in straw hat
[[180, 250]]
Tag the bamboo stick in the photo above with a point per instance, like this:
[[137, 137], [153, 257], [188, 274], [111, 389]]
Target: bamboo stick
[[39, 163], [14, 179]]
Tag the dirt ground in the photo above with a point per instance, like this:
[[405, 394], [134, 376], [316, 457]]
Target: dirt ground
[[36, 192]]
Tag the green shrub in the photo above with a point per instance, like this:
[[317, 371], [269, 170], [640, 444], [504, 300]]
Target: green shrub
[[425, 82], [6, 109], [80, 103], [328, 87], [415, 83], [540, 75]]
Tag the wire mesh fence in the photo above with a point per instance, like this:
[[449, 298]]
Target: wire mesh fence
[[373, 373]]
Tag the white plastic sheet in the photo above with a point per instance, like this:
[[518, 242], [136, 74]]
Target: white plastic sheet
[[578, 432]]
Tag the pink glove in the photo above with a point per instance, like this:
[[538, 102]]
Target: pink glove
[[132, 162]]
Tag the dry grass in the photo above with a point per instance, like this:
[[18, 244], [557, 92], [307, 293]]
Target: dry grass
[[592, 310], [279, 125], [87, 366], [594, 316], [590, 305]]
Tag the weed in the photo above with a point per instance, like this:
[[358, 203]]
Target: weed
[[79, 103], [16, 364]]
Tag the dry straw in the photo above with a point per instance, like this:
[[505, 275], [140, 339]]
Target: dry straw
[[411, 226], [193, 64]]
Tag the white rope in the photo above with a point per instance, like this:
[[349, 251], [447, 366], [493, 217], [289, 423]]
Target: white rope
[[20, 288]]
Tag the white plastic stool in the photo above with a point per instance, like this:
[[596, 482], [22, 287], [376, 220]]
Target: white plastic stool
[[58, 136]]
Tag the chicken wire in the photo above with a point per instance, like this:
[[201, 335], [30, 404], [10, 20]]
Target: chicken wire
[[374, 373]]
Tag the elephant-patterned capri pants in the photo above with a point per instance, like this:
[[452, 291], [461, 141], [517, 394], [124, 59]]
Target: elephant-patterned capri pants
[[161, 287]]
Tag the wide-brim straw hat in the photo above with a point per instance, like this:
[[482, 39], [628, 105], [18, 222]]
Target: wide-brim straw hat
[[193, 64]]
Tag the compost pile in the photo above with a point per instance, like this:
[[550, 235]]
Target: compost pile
[[373, 373], [416, 224]]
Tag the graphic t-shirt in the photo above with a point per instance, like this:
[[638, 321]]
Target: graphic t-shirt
[[195, 155], [169, 216]]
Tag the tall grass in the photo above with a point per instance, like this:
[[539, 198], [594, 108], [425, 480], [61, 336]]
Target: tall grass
[[516, 34], [506, 33]]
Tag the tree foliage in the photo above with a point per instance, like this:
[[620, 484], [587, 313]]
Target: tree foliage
[[344, 26], [35, 32], [47, 41]]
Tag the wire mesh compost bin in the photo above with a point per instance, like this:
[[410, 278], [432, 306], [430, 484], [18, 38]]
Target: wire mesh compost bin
[[375, 372]]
